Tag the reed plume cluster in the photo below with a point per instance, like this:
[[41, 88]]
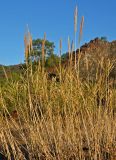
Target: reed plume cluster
[[28, 44], [81, 29]]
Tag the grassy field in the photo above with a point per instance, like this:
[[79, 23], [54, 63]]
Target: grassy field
[[71, 117]]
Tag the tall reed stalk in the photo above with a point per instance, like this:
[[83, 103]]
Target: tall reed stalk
[[43, 51], [80, 37], [75, 32], [60, 62]]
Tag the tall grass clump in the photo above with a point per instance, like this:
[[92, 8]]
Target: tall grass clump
[[73, 118], [75, 31]]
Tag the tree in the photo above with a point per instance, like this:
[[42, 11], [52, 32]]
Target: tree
[[104, 39], [36, 53]]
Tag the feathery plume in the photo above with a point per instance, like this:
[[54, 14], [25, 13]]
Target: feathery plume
[[75, 19], [43, 50], [60, 47], [81, 28], [72, 49], [69, 50], [28, 43], [31, 43], [75, 31]]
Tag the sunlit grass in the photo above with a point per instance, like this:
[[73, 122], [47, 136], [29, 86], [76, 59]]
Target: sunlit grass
[[70, 118], [58, 120]]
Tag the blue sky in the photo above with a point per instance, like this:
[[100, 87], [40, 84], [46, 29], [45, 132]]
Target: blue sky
[[55, 17]]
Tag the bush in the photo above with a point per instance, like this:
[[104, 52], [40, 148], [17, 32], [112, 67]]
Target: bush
[[52, 60]]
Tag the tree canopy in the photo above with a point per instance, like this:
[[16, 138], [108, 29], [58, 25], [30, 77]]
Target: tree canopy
[[36, 53], [104, 38]]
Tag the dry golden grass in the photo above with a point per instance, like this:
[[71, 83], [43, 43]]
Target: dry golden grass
[[58, 120], [28, 44], [71, 119]]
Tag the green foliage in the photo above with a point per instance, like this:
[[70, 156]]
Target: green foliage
[[15, 76], [64, 57], [104, 39], [52, 60], [36, 54]]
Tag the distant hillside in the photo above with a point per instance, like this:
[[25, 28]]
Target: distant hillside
[[94, 51], [10, 71], [98, 47]]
